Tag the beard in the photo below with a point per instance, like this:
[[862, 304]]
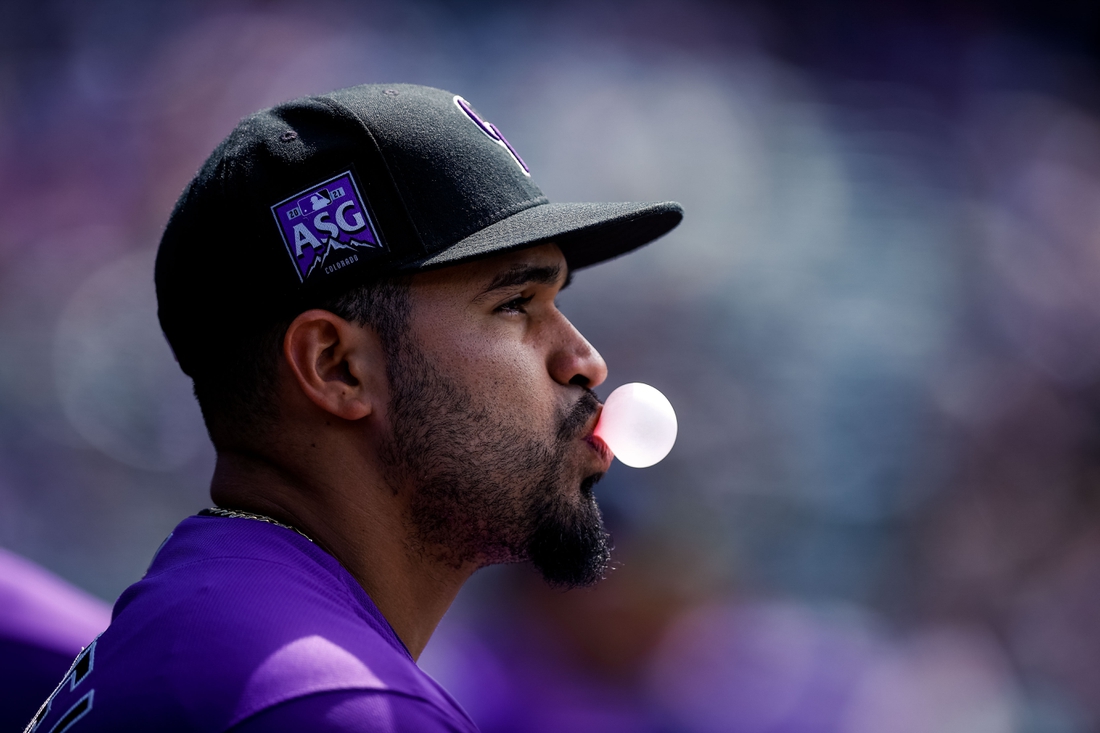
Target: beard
[[486, 491]]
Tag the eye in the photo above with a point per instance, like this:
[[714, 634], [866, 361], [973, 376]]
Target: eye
[[516, 305]]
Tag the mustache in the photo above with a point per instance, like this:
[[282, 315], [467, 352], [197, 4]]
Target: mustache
[[574, 421]]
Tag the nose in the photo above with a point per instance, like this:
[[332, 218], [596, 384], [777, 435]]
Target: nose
[[574, 360]]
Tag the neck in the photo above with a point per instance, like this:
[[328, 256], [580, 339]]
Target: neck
[[353, 515]]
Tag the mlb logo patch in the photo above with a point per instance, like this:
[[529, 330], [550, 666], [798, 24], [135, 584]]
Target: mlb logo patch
[[327, 227]]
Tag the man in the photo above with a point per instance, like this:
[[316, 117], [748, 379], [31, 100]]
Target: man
[[362, 287]]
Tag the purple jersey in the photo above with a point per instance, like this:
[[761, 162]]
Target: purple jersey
[[44, 623], [239, 622]]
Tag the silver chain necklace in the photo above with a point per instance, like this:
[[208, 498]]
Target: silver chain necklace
[[217, 511]]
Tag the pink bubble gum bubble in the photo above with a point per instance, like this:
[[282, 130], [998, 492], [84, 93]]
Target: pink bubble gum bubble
[[638, 424]]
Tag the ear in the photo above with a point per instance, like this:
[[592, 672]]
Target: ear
[[338, 365]]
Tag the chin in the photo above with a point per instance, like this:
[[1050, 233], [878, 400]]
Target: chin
[[569, 545], [588, 483]]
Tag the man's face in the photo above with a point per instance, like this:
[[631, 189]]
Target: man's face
[[491, 416]]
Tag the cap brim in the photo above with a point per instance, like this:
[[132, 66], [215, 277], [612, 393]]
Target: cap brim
[[586, 233]]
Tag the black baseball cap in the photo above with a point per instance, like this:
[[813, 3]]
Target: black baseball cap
[[305, 199]]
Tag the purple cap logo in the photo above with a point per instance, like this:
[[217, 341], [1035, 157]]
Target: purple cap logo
[[491, 130], [327, 227]]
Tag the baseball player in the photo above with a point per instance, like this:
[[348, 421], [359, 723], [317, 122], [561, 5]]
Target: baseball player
[[362, 287]]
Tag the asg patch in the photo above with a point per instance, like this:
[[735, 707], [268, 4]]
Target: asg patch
[[491, 130], [327, 227]]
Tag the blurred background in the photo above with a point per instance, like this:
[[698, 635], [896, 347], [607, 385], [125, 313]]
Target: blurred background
[[879, 324]]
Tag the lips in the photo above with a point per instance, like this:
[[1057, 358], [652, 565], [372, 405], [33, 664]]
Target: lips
[[596, 443], [602, 451]]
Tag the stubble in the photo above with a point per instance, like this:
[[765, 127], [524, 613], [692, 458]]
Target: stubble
[[485, 489]]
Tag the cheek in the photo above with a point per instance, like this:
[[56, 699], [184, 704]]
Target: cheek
[[512, 381], [501, 368]]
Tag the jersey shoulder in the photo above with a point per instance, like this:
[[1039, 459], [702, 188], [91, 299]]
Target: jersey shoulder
[[355, 712], [233, 617]]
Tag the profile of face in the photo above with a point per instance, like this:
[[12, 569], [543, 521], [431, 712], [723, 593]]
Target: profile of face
[[490, 420]]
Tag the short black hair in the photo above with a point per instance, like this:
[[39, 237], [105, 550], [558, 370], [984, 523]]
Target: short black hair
[[237, 392]]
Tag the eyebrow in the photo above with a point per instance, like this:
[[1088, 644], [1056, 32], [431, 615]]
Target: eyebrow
[[524, 274]]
